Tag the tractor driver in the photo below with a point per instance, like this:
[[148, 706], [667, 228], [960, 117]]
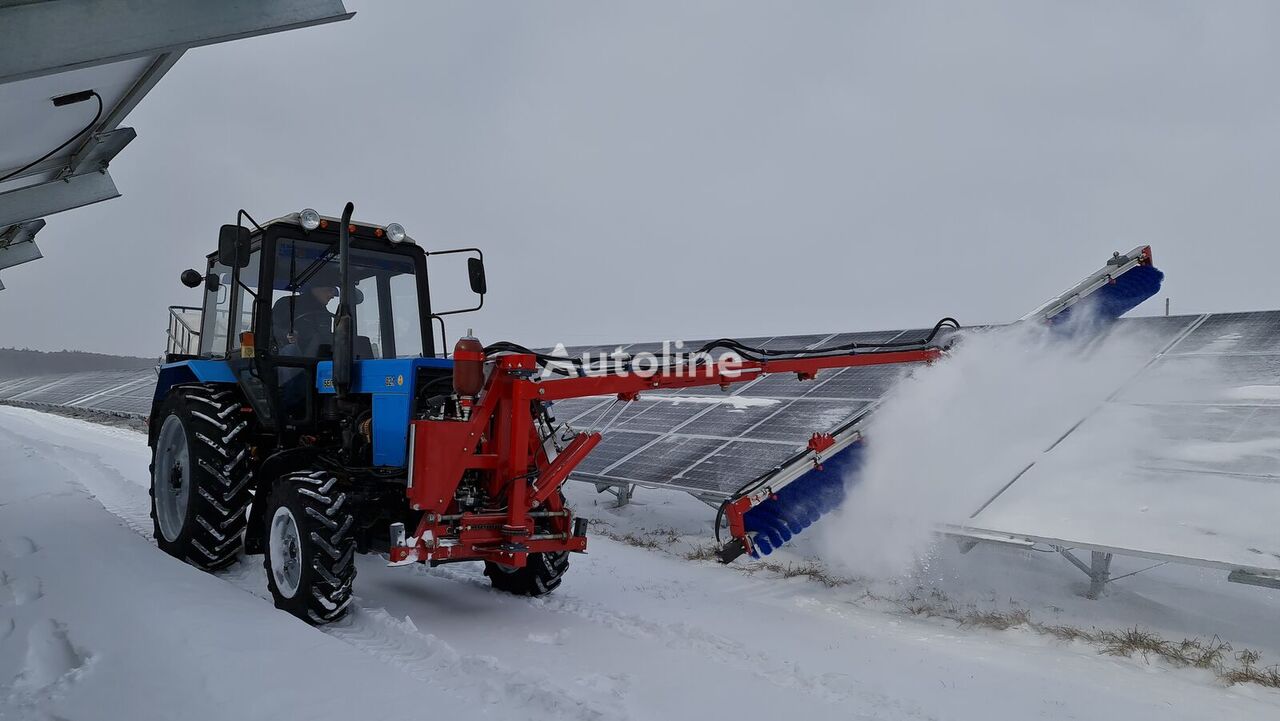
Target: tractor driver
[[300, 322]]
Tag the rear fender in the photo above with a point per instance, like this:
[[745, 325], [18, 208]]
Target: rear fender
[[183, 373], [194, 371]]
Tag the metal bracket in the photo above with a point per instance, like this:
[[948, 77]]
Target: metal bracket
[[1098, 570], [622, 493], [1254, 579]]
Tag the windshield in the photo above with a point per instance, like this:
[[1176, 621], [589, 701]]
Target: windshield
[[305, 290]]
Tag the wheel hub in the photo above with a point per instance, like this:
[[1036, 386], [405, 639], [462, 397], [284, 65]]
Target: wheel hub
[[285, 549], [171, 485]]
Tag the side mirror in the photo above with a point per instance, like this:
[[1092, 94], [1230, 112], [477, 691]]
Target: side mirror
[[475, 271], [212, 283], [191, 278], [233, 246]]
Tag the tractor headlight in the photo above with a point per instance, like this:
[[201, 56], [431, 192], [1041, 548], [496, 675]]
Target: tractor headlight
[[395, 233], [309, 219]]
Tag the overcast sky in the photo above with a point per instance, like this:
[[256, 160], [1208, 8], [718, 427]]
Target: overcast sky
[[649, 170]]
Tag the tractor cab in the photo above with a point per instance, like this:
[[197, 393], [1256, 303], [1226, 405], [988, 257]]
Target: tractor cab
[[274, 294], [286, 294]]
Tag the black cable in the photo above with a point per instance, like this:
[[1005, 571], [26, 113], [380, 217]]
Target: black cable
[[96, 117], [811, 352], [751, 353]]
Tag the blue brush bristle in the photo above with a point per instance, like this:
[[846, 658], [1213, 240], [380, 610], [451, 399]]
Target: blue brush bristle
[[1115, 299], [802, 502], [798, 505]]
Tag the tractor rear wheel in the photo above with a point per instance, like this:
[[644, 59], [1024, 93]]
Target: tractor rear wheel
[[310, 546], [541, 574], [200, 476]]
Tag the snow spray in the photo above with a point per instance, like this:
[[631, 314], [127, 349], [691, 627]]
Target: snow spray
[[951, 435]]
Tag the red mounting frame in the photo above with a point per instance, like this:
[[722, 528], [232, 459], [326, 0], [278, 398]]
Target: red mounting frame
[[500, 442]]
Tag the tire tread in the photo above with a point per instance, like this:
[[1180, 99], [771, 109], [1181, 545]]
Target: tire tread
[[324, 592], [221, 490]]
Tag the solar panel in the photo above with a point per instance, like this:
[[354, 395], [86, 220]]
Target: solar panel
[[613, 448], [1211, 403], [36, 386], [12, 386], [732, 463], [658, 414], [1225, 333], [129, 395]]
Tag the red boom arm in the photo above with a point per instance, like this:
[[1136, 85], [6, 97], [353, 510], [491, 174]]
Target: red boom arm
[[499, 443]]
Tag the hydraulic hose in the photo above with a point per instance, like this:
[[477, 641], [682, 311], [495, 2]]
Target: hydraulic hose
[[752, 353]]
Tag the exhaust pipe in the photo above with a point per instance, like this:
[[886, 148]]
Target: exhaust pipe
[[343, 350]]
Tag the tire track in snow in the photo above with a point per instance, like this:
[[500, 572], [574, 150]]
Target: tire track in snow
[[832, 688], [20, 590], [51, 664], [19, 546], [121, 497], [399, 643], [429, 659]]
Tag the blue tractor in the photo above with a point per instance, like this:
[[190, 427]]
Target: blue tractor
[[285, 430]]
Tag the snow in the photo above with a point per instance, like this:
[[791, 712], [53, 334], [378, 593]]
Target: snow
[[1150, 505], [1161, 478], [95, 622], [951, 435], [737, 403], [1270, 393]]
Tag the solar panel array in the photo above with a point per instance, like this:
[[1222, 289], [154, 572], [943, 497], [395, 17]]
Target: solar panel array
[[123, 393], [710, 443]]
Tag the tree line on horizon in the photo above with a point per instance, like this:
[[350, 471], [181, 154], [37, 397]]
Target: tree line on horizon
[[16, 362]]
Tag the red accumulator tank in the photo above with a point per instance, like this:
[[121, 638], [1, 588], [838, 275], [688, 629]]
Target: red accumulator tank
[[468, 366]]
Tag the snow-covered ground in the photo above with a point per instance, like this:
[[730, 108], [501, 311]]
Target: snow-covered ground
[[96, 623]]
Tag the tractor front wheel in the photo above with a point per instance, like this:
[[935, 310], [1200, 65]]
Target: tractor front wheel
[[541, 574], [310, 547]]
